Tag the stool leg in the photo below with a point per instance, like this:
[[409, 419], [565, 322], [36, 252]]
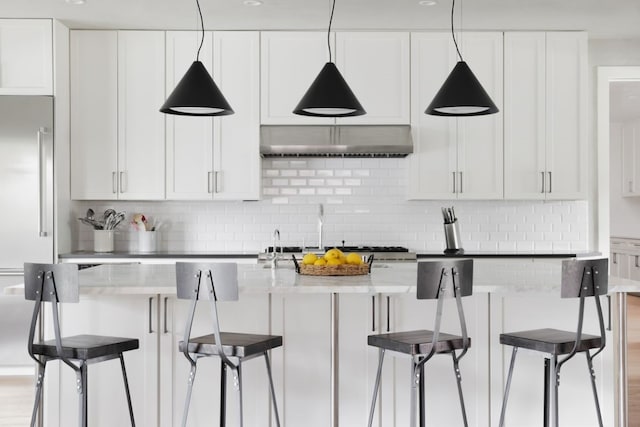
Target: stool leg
[[84, 394], [223, 393], [238, 385], [376, 387], [554, 390], [273, 390], [456, 369], [192, 378], [415, 381], [126, 389], [421, 395], [508, 386], [39, 381], [592, 374]]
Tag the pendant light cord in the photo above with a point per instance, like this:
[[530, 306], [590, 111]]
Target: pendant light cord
[[453, 34], [329, 30], [202, 26]]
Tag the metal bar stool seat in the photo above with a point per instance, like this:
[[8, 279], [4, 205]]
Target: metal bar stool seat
[[580, 279], [436, 280], [58, 283], [219, 282]]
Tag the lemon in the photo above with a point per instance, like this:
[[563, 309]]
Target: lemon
[[309, 259], [335, 261], [320, 261], [354, 258], [332, 254]]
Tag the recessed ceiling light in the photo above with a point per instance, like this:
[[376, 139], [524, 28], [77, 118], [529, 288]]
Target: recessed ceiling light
[[252, 2], [76, 1], [427, 2]]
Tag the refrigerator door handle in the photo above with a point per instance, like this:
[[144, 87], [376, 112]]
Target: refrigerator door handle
[[42, 184]]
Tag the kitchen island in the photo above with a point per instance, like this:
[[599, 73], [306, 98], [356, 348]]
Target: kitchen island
[[325, 371]]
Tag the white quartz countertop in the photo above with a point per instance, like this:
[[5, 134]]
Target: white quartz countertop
[[490, 275]]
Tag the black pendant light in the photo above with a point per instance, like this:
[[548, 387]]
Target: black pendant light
[[196, 94], [329, 95], [461, 94]]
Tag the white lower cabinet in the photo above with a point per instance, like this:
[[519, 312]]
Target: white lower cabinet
[[442, 407], [130, 317], [248, 315], [512, 313]]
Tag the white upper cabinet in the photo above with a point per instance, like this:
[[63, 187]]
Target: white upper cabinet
[[237, 164], [290, 61], [140, 125], [26, 57], [94, 114], [216, 158], [455, 158], [630, 159], [189, 139], [376, 67], [545, 115], [117, 132]]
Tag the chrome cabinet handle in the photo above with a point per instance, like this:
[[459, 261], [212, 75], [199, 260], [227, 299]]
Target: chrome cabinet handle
[[388, 313], [460, 182], [609, 312], [150, 315], [543, 183], [122, 187], [615, 258], [550, 190], [164, 328], [209, 182], [42, 196], [216, 181], [454, 182], [636, 261], [114, 182], [373, 313]]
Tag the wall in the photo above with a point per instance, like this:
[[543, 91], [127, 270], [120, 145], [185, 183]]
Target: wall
[[365, 203]]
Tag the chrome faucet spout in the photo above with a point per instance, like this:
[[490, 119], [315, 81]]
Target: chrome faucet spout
[[276, 243], [320, 225]]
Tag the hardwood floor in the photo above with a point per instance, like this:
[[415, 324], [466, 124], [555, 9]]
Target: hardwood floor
[[16, 399], [633, 359]]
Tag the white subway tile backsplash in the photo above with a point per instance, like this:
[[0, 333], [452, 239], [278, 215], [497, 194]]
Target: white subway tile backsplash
[[365, 203]]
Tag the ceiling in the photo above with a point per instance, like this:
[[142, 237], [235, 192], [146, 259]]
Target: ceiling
[[601, 18]]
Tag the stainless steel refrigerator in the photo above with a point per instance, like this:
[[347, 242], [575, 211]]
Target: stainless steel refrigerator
[[26, 213]]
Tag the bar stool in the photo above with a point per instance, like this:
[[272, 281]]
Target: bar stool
[[219, 282], [436, 280], [58, 283], [580, 279]]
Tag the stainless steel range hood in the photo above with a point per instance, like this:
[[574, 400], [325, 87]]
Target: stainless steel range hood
[[336, 141]]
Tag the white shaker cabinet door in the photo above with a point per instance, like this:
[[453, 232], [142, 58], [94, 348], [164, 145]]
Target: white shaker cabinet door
[[26, 57], [141, 83], [94, 115], [433, 165], [290, 61], [189, 139], [376, 67], [524, 115], [480, 142], [566, 115], [131, 317], [237, 162]]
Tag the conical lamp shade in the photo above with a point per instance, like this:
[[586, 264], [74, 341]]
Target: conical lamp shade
[[461, 95], [329, 96], [196, 95]]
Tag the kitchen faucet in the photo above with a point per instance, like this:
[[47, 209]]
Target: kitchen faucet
[[274, 254], [320, 224]]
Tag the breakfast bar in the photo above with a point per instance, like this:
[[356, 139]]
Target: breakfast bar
[[324, 373]]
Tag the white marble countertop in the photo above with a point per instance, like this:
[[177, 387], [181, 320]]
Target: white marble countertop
[[490, 275]]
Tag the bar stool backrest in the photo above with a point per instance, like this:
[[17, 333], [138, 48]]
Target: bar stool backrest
[[584, 277], [434, 278], [56, 282], [194, 278]]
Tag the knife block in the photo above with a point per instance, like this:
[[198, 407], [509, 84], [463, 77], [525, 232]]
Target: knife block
[[452, 238]]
